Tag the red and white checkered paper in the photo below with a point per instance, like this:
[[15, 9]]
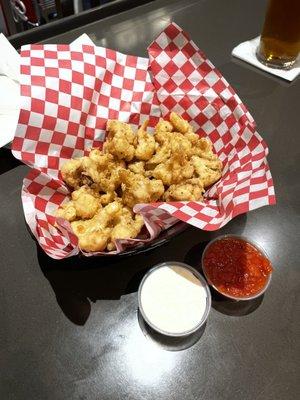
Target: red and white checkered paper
[[67, 97]]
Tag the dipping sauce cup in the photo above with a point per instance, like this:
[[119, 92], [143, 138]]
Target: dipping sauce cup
[[236, 267], [174, 299]]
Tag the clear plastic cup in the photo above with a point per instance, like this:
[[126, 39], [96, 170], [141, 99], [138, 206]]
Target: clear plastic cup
[[202, 320], [254, 244]]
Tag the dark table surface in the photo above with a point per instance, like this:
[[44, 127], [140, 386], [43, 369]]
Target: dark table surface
[[69, 329]]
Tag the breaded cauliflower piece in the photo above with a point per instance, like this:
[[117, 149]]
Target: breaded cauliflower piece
[[110, 223], [102, 171], [162, 131], [91, 237], [66, 211], [129, 226], [86, 202], [120, 141], [139, 189], [71, 173], [138, 167], [94, 234], [174, 170], [84, 205], [209, 171], [204, 149], [180, 124], [161, 155], [190, 190], [145, 144]]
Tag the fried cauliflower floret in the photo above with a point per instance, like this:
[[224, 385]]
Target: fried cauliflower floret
[[180, 144], [145, 144], [109, 181], [174, 170], [100, 158], [204, 149], [99, 166], [86, 202], [120, 141], [110, 223], [84, 205], [190, 190], [115, 127], [180, 124], [94, 234], [102, 171], [94, 241], [90, 170], [209, 171], [163, 126], [138, 189], [109, 214], [71, 173], [161, 155], [175, 143], [162, 131], [192, 137], [129, 226], [91, 236], [137, 167], [66, 211], [107, 198]]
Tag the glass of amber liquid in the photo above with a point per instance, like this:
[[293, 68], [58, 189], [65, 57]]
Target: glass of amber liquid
[[280, 39]]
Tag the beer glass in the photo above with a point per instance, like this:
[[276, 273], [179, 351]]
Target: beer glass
[[280, 39]]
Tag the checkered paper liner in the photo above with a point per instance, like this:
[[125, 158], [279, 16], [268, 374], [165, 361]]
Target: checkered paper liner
[[67, 96]]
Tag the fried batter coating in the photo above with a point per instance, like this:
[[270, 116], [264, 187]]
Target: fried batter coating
[[180, 124], [103, 171], [84, 204], [137, 167], [190, 190], [108, 215], [175, 143], [90, 169], [180, 144], [91, 236], [67, 211], [174, 170], [128, 227], [163, 126], [161, 155], [110, 180], [209, 171], [139, 189], [162, 131], [120, 141], [94, 234], [204, 149], [145, 143], [107, 198], [71, 173], [110, 223], [192, 137], [100, 158], [94, 241]]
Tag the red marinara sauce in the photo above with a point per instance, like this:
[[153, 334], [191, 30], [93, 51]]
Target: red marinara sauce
[[235, 267]]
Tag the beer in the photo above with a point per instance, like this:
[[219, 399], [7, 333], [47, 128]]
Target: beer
[[280, 40]]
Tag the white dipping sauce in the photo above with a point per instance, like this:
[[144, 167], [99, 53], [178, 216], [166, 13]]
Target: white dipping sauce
[[173, 299]]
